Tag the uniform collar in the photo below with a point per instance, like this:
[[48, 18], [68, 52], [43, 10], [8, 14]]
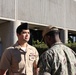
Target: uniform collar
[[56, 43], [17, 46]]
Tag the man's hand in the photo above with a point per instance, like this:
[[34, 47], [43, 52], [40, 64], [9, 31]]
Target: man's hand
[[3, 72]]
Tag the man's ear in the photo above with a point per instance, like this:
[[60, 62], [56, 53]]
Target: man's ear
[[48, 37], [18, 34]]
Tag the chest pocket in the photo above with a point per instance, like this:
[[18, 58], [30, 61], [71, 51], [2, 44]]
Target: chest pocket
[[32, 57]]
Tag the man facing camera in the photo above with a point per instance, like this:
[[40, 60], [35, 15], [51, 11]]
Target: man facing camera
[[21, 58]]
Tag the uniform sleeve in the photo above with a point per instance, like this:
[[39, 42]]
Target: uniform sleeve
[[35, 62], [5, 60], [45, 63], [37, 56]]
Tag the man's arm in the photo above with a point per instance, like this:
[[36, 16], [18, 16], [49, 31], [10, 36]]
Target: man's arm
[[3, 72], [43, 73], [46, 73], [5, 62], [35, 68], [36, 62], [44, 64]]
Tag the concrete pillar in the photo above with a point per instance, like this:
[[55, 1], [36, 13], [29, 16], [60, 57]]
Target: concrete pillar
[[0, 48], [64, 36], [14, 25], [75, 38]]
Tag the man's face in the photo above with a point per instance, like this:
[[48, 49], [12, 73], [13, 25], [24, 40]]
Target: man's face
[[24, 35]]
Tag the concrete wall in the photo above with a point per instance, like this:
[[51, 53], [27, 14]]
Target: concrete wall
[[50, 12], [7, 9], [6, 34], [59, 13], [70, 16]]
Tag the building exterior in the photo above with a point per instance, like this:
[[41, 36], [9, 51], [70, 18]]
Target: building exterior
[[38, 13]]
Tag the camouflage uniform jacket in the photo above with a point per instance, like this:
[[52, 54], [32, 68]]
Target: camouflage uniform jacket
[[58, 60]]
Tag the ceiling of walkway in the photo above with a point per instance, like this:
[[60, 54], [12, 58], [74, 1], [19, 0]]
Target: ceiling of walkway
[[32, 26], [36, 27], [40, 27], [72, 33], [2, 21]]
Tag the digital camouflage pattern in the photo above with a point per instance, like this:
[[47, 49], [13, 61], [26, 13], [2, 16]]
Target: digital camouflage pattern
[[58, 60]]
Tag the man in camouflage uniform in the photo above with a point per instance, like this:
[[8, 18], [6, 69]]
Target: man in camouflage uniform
[[58, 59]]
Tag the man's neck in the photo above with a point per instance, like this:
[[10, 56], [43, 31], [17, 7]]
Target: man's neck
[[23, 44]]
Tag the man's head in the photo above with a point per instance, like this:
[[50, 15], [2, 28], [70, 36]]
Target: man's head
[[23, 26], [23, 32], [50, 35]]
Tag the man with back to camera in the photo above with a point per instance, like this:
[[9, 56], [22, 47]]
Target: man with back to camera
[[58, 59], [21, 58]]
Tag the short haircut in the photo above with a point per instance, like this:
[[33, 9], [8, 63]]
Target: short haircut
[[23, 26]]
